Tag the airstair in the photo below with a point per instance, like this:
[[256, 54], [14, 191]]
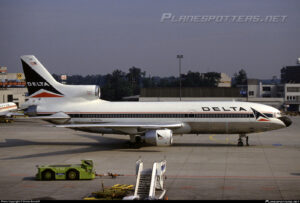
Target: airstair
[[149, 182]]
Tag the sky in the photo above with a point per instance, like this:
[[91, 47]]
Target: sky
[[98, 36]]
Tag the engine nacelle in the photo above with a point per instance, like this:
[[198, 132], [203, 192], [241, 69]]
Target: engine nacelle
[[31, 110], [159, 137], [81, 91]]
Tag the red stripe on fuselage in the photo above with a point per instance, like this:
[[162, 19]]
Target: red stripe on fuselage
[[263, 119], [8, 107]]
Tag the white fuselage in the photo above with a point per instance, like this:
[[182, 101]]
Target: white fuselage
[[198, 117], [6, 108]]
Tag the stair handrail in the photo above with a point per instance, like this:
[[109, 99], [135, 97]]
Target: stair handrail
[[160, 174], [139, 169], [153, 182]]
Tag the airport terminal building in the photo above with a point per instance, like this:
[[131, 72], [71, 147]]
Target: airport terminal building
[[12, 87], [284, 95]]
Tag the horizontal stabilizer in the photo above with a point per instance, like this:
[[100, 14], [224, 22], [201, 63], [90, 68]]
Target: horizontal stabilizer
[[58, 118], [14, 114]]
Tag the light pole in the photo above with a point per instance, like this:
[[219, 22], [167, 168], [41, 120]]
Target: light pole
[[180, 57]]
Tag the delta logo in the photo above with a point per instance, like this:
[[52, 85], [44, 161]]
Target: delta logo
[[37, 84], [259, 116]]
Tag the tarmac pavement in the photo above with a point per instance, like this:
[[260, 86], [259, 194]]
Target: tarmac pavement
[[204, 167]]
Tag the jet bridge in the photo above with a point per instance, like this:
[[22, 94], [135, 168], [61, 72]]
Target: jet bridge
[[149, 182]]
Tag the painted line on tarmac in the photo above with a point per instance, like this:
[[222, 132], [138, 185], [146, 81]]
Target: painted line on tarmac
[[18, 174], [237, 177], [188, 187], [230, 177], [227, 188], [264, 188], [196, 177], [269, 188], [29, 186], [212, 138], [69, 186]]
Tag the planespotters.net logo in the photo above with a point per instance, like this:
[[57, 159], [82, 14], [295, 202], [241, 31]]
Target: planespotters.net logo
[[171, 18]]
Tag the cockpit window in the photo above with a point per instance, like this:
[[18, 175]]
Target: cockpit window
[[277, 114], [269, 115]]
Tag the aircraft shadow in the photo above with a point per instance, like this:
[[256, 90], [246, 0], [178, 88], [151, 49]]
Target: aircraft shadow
[[30, 178], [203, 145], [102, 144]]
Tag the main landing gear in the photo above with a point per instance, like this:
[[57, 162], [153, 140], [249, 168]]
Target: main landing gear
[[135, 141], [240, 140]]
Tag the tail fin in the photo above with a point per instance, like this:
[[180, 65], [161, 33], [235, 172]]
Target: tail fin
[[39, 81]]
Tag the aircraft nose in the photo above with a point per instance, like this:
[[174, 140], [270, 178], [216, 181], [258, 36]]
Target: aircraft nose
[[286, 120]]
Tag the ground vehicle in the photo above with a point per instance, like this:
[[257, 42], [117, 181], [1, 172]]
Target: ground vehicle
[[83, 171]]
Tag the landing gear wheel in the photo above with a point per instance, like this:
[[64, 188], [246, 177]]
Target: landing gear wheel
[[240, 144], [240, 140], [138, 139]]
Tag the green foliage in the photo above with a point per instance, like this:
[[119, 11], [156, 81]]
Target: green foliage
[[119, 84], [240, 78], [195, 79], [116, 86], [135, 77]]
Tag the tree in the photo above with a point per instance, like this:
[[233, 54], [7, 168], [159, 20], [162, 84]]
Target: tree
[[212, 79], [116, 86], [191, 79], [134, 78], [240, 78], [195, 79], [119, 84]]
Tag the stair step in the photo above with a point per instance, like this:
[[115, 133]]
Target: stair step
[[144, 184]]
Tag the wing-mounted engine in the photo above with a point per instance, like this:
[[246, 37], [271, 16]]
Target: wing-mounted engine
[[159, 137]]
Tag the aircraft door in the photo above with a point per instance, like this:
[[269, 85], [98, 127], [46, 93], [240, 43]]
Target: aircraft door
[[191, 115]]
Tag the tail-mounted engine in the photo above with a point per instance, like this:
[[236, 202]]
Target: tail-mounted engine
[[81, 91]]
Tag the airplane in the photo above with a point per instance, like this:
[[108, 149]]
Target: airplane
[[7, 110], [79, 107]]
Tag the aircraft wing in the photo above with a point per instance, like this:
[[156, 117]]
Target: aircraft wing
[[59, 117], [124, 125], [5, 114], [48, 117], [10, 115]]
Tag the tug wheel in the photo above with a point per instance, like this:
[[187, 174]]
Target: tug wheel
[[48, 175], [72, 175]]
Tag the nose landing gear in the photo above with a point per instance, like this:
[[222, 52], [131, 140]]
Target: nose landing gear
[[240, 140]]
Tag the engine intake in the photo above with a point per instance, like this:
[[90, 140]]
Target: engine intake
[[81, 91], [159, 137], [31, 110]]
